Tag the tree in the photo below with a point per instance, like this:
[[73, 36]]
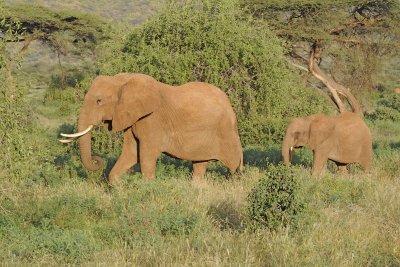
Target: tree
[[356, 35], [58, 29]]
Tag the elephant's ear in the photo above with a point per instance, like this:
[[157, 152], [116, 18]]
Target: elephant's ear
[[136, 99], [320, 130]]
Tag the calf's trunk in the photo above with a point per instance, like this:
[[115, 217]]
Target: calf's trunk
[[287, 151]]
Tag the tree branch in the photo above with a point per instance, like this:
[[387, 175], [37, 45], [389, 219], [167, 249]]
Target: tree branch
[[334, 88]]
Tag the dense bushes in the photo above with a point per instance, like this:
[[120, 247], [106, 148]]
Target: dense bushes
[[213, 41], [275, 201], [388, 108]]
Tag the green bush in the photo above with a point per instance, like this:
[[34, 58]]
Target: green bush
[[216, 42], [275, 201], [388, 108], [391, 101], [384, 113]]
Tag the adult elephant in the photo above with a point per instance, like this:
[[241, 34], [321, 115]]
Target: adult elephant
[[344, 138], [194, 121]]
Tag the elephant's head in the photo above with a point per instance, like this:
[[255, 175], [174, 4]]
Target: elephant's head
[[304, 131], [118, 102], [297, 135], [308, 131]]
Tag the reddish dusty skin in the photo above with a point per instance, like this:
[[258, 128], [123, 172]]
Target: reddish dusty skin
[[344, 138], [194, 121]]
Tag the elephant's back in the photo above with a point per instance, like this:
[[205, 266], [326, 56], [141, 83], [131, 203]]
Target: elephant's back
[[203, 97], [354, 127]]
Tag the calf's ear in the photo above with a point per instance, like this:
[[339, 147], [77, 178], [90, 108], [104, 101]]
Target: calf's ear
[[321, 130]]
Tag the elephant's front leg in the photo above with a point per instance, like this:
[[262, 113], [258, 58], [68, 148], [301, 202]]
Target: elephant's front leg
[[320, 160], [148, 154], [127, 159]]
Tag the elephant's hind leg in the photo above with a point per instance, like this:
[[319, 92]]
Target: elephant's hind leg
[[233, 164], [126, 160], [342, 167], [199, 169], [366, 164]]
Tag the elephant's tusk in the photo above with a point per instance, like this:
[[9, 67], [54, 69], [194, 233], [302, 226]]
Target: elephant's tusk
[[78, 134], [65, 141], [291, 148]]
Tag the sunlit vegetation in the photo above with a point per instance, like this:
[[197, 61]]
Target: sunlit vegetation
[[54, 212]]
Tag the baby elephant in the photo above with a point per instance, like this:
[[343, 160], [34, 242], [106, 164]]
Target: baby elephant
[[344, 139]]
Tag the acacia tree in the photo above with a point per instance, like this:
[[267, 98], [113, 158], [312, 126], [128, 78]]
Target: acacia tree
[[57, 29], [355, 35]]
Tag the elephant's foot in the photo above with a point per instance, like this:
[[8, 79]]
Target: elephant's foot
[[149, 178], [148, 161], [148, 170], [114, 180]]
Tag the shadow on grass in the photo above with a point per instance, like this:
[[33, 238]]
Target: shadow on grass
[[226, 216], [167, 166], [261, 157], [65, 128], [394, 145]]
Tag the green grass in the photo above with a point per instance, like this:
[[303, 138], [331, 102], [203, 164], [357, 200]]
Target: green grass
[[54, 212], [350, 220]]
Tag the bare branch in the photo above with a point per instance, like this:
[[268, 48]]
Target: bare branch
[[334, 88], [297, 66], [330, 84]]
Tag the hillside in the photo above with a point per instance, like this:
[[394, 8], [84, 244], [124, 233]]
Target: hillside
[[135, 11]]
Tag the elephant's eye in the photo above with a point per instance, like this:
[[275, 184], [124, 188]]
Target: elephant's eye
[[99, 101]]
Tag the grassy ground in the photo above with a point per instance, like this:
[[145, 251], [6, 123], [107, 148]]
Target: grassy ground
[[54, 212], [351, 221], [60, 214]]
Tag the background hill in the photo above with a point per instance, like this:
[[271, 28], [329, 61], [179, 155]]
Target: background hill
[[131, 11]]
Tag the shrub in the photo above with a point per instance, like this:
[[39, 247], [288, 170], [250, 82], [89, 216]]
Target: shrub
[[388, 108], [216, 42], [275, 201], [384, 113]]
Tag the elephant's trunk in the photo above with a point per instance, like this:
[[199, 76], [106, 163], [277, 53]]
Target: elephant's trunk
[[287, 148], [91, 163]]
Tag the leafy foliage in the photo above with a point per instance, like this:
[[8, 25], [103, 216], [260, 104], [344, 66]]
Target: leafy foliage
[[183, 43], [275, 201], [388, 108], [15, 118], [46, 23], [358, 35]]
